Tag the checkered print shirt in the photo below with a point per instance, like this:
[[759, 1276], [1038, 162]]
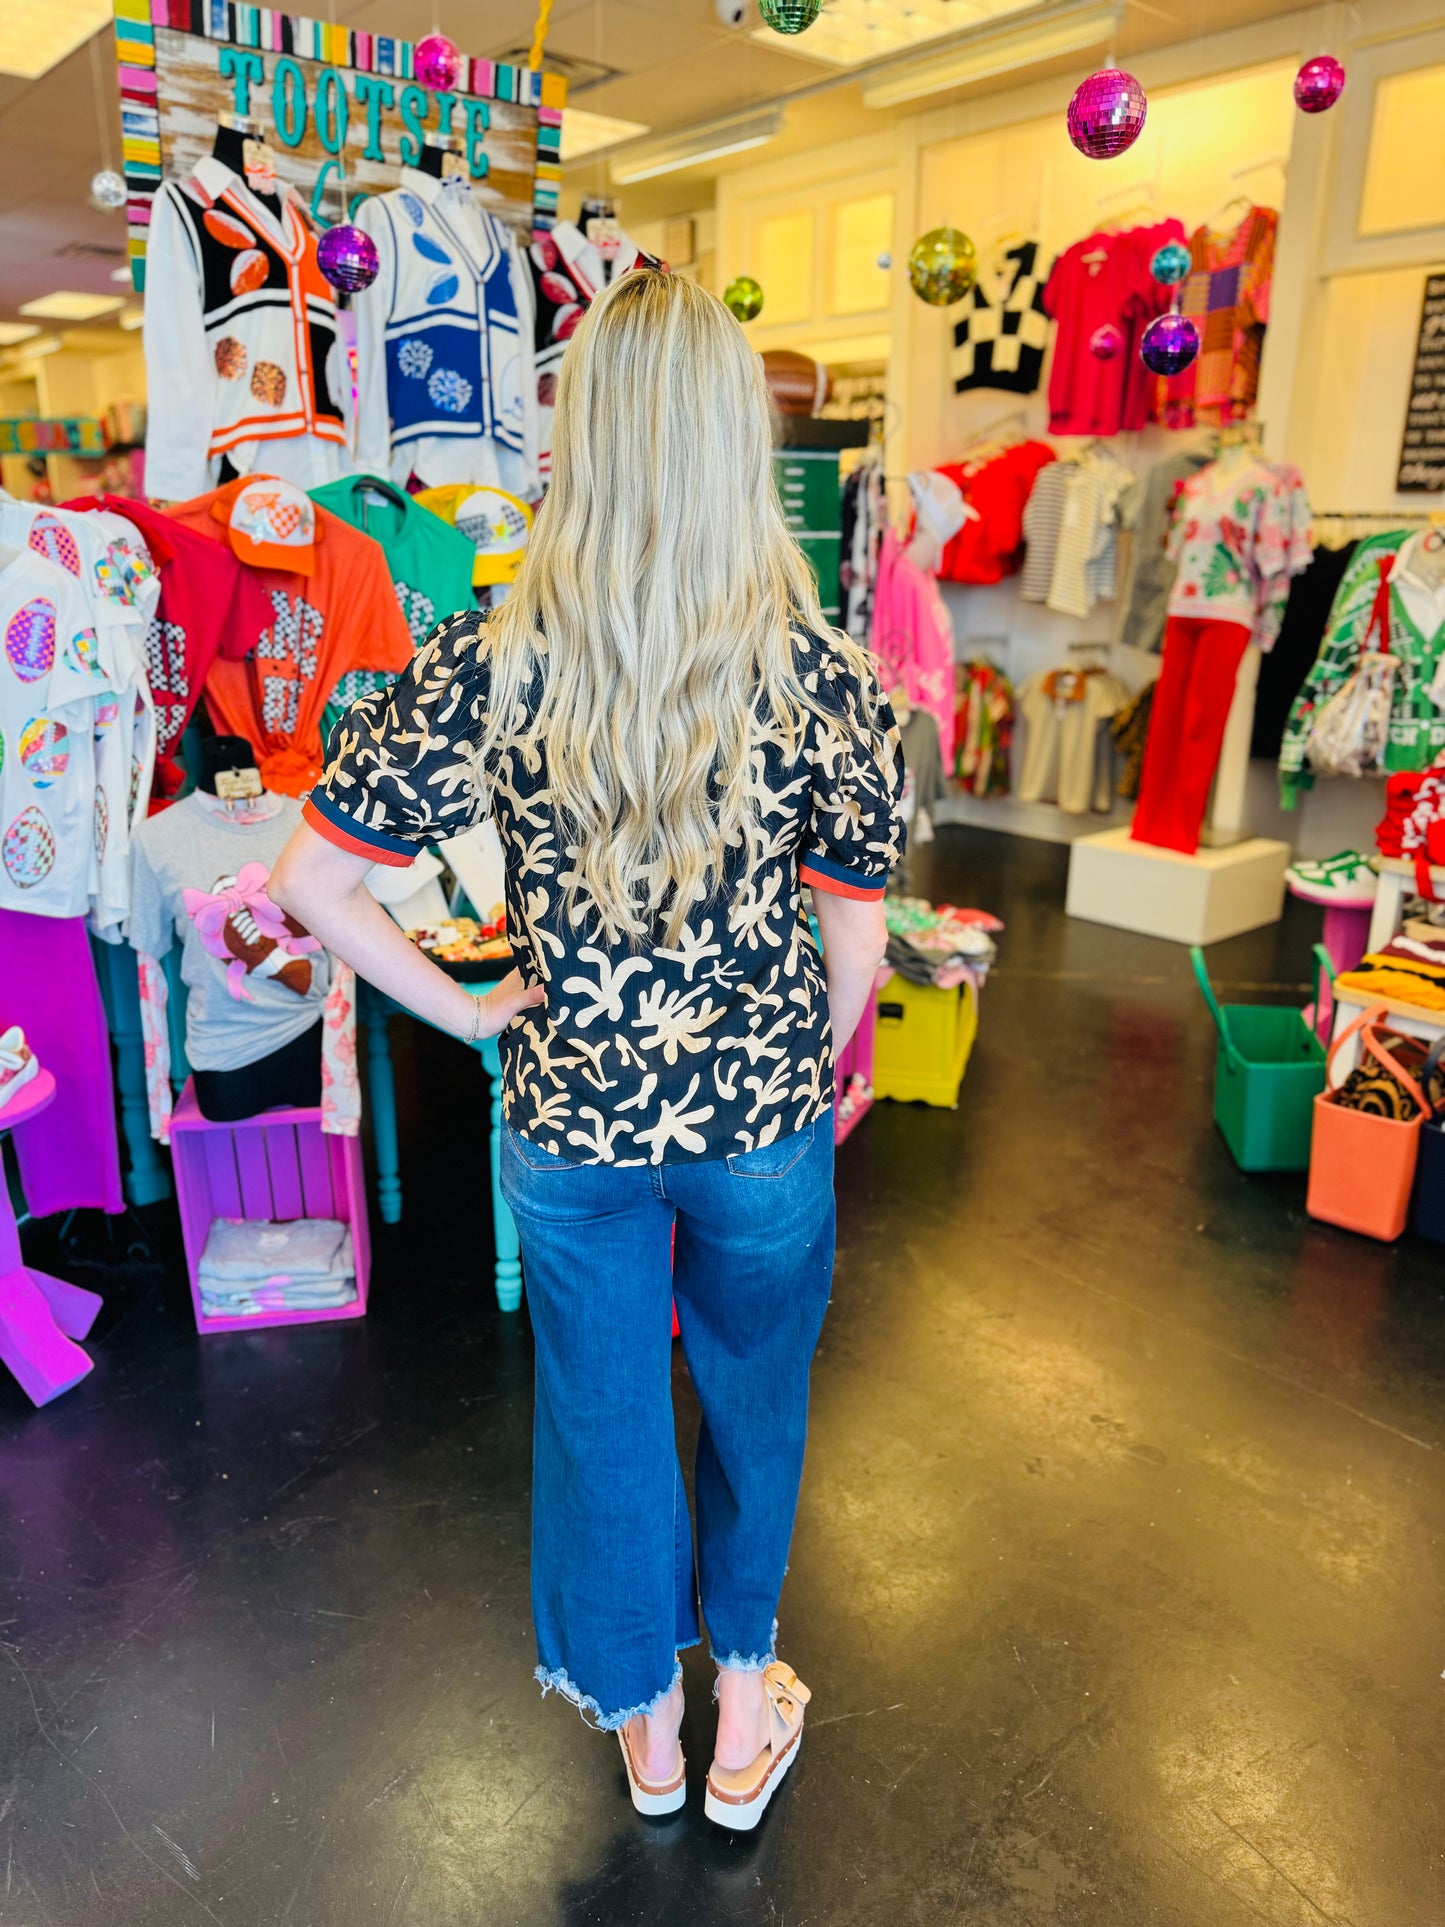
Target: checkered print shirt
[[1001, 344]]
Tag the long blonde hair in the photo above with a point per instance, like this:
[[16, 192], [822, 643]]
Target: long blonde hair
[[656, 597]]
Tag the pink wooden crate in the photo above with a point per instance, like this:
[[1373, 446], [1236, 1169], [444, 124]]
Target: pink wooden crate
[[276, 1166]]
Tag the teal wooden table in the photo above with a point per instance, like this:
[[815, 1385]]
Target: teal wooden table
[[375, 1011]]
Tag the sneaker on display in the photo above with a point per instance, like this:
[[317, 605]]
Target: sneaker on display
[[18, 1064], [1345, 881]]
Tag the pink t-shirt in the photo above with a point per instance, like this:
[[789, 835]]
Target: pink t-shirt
[[1101, 280]]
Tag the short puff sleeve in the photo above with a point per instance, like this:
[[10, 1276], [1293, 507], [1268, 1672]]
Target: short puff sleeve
[[400, 768], [855, 833]]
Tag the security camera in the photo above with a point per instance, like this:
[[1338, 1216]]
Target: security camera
[[732, 13]]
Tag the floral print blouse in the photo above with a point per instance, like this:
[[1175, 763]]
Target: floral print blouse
[[1237, 540], [641, 1054]]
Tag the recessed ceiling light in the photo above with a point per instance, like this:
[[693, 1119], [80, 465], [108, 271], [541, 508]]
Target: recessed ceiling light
[[584, 133], [36, 35], [131, 318], [13, 331], [64, 305]]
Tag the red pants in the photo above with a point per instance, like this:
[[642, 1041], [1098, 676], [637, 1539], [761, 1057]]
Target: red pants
[[1186, 729]]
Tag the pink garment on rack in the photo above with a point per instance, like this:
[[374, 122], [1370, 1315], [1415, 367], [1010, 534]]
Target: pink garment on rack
[[913, 638], [69, 1156]]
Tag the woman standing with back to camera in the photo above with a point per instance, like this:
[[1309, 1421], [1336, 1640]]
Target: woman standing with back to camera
[[672, 741]]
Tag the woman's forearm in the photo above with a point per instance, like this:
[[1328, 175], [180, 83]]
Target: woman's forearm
[[356, 928], [324, 888], [855, 938]]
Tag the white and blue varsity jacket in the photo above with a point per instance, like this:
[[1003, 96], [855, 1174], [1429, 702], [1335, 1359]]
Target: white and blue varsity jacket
[[446, 377]]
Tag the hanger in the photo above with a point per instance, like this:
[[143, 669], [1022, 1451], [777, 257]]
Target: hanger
[[1242, 201]]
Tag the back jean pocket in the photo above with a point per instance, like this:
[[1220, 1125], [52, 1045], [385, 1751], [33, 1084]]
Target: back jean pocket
[[533, 1155], [774, 1160]]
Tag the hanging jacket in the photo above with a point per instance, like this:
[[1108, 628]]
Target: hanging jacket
[[913, 638], [1417, 717], [446, 383], [240, 340]]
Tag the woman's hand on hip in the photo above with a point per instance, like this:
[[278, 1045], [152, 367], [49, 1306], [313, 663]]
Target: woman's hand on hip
[[508, 1000]]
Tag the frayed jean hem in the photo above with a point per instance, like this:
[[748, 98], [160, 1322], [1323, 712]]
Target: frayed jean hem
[[556, 1681], [734, 1662]]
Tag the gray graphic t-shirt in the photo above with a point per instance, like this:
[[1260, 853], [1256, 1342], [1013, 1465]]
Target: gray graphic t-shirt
[[256, 980]]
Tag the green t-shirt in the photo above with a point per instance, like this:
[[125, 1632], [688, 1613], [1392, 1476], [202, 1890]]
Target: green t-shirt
[[430, 565]]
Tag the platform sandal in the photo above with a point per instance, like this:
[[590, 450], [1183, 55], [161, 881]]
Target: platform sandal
[[737, 1797], [651, 1797]]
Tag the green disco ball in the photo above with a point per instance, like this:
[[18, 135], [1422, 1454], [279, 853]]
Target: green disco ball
[[790, 16], [744, 297], [942, 266]]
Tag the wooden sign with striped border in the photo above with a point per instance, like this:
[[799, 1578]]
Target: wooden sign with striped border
[[339, 107]]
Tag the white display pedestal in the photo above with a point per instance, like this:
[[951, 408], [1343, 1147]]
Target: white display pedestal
[[1187, 899]]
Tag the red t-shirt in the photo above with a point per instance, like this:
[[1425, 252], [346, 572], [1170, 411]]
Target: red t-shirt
[[1103, 279], [210, 604], [990, 548]]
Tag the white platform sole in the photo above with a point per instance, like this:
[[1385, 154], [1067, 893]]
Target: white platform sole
[[654, 1805], [742, 1818]]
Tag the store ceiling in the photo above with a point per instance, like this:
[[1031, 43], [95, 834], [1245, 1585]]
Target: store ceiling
[[668, 64]]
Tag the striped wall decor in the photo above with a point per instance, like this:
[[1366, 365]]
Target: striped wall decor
[[528, 133]]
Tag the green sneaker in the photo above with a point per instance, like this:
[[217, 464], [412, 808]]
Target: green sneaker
[[1344, 882]]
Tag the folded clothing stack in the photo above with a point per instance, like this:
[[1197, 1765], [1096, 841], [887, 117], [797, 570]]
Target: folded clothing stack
[[936, 944], [1411, 968], [250, 1266]]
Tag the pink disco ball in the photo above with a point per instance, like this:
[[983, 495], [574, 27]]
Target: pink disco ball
[[1318, 84], [1106, 342], [347, 258], [1170, 343], [1107, 113], [436, 63]]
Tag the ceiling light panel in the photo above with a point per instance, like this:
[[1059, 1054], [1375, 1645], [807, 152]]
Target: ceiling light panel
[[850, 32], [64, 305], [13, 331], [584, 133], [648, 159], [36, 35], [985, 52]]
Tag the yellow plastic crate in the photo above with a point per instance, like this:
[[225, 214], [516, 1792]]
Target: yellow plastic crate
[[922, 1043]]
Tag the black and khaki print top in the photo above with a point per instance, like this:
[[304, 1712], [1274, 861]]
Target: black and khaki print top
[[641, 1054]]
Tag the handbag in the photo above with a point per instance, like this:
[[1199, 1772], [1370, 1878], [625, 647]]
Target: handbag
[[1363, 1156], [1348, 736]]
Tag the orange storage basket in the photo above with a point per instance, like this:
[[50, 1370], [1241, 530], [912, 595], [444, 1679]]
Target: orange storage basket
[[1362, 1167]]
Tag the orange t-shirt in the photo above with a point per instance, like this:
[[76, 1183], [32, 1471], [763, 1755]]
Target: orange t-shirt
[[336, 613]]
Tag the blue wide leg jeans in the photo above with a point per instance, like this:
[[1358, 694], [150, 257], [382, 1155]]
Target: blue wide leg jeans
[[614, 1587]]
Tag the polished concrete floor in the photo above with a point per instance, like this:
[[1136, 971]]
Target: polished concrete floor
[[1117, 1578]]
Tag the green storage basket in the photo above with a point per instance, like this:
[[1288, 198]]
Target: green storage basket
[[1270, 1069]]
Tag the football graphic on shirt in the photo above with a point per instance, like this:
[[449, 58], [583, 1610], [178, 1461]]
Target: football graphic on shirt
[[236, 919], [30, 639]]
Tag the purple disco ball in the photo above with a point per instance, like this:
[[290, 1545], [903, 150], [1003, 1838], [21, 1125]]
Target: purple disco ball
[[347, 258], [1171, 263], [1170, 343], [1318, 84], [435, 63], [1107, 342], [1107, 113]]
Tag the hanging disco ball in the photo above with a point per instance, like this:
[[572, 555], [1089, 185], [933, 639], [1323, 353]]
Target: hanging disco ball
[[436, 63], [790, 16], [347, 258], [1171, 264], [744, 297], [1107, 113], [1171, 341], [107, 189], [1106, 342], [942, 266], [1318, 84]]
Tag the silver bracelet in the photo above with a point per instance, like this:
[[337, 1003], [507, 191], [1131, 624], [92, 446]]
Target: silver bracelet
[[474, 1034]]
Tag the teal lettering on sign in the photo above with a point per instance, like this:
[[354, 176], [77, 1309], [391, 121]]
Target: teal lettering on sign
[[244, 70], [288, 102], [331, 110]]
